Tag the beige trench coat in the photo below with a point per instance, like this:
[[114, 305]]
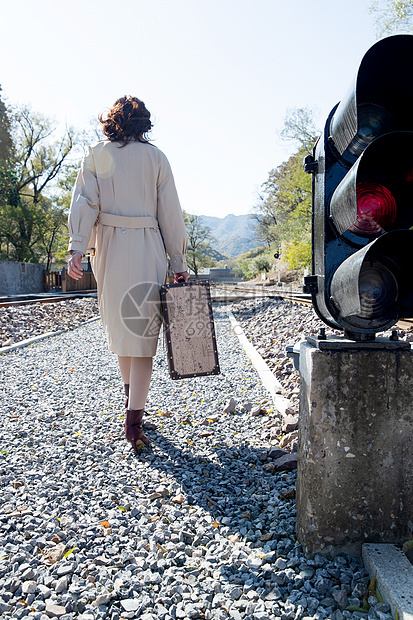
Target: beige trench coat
[[134, 182]]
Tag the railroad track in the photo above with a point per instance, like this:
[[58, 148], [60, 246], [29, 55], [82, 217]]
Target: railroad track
[[237, 293], [295, 297], [25, 300], [240, 292]]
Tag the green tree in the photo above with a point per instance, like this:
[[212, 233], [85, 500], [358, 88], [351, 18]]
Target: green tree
[[62, 201], [265, 220], [52, 228], [287, 199], [392, 16], [261, 263], [246, 263], [8, 192], [297, 254], [6, 142], [199, 243], [284, 209], [300, 128], [31, 224], [232, 263]]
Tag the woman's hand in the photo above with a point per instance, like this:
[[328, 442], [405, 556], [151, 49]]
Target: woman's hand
[[183, 274], [74, 269]]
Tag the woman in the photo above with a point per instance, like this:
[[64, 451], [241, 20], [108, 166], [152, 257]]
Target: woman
[[125, 184]]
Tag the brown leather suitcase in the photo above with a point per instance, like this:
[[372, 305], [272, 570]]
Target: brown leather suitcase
[[189, 330]]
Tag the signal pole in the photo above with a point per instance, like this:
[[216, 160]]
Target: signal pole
[[355, 452], [355, 457]]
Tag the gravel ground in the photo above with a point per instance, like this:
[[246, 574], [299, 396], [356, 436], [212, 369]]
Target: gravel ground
[[18, 323], [195, 527], [272, 324]]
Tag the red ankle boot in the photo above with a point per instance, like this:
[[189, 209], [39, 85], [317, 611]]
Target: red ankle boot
[[133, 428]]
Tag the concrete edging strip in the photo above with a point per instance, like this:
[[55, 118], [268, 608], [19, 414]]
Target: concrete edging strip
[[265, 373], [394, 576], [29, 341]]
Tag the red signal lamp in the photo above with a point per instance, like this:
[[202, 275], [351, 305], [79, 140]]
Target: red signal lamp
[[376, 209]]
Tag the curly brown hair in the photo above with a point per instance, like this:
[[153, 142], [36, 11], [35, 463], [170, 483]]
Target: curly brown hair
[[128, 120]]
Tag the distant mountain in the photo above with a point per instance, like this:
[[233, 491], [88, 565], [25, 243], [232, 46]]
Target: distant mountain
[[216, 255], [235, 234]]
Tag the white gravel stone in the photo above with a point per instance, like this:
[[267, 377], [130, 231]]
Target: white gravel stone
[[28, 587], [102, 599], [55, 611], [230, 406], [130, 604], [61, 585]]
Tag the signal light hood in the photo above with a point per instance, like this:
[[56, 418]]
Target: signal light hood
[[389, 259], [384, 82], [388, 160]]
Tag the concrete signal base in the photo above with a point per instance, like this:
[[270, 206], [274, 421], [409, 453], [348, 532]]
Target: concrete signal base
[[355, 454]]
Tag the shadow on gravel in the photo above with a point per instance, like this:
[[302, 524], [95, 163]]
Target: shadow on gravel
[[243, 502]]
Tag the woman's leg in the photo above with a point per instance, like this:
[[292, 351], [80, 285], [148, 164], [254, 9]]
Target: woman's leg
[[139, 381], [124, 365]]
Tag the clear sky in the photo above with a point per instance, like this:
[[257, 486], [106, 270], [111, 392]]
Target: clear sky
[[217, 75]]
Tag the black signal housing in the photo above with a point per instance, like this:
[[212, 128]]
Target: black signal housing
[[362, 169]]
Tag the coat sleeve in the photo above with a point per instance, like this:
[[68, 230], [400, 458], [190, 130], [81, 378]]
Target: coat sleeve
[[84, 208], [170, 218]]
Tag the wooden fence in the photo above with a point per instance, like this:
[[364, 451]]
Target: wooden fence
[[86, 283], [52, 281], [59, 280]]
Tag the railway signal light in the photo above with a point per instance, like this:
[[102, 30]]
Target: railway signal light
[[362, 170]]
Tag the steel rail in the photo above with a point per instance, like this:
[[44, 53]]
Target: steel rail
[[13, 302], [299, 298], [259, 291], [250, 291]]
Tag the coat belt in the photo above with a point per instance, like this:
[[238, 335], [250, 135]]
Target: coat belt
[[124, 221]]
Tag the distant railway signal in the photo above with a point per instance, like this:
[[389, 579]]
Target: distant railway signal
[[362, 169]]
